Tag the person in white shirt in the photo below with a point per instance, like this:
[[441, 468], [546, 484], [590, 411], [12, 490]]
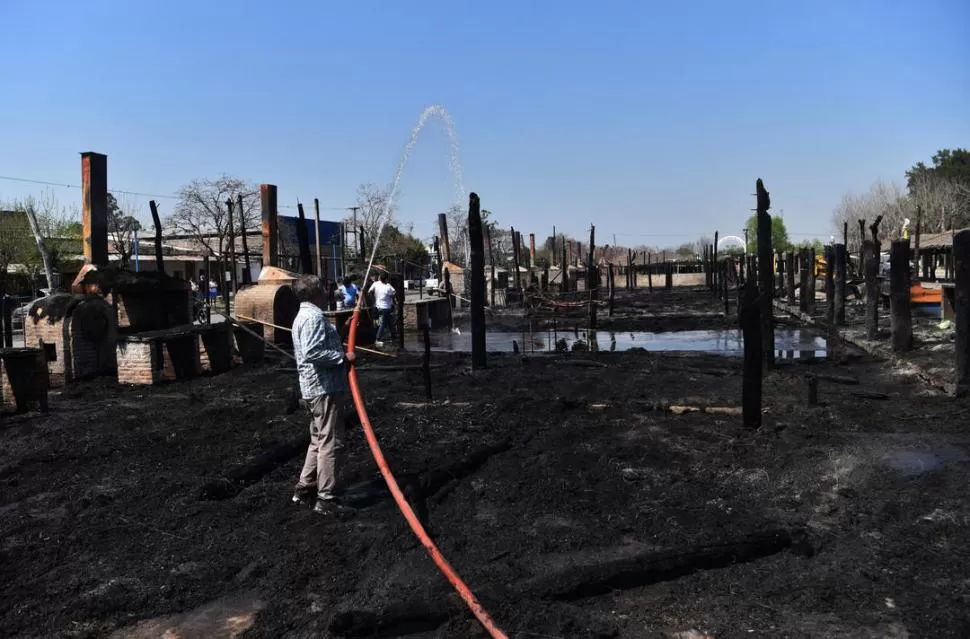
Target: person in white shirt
[[384, 302]]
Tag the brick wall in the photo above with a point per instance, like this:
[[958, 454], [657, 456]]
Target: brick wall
[[417, 313], [139, 362]]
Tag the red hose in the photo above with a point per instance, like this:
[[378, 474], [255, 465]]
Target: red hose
[[402, 503]]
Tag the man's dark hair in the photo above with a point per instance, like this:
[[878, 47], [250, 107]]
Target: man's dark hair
[[348, 281], [307, 287], [384, 276]]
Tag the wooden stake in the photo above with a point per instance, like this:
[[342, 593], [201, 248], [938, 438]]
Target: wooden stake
[[790, 276], [611, 285]]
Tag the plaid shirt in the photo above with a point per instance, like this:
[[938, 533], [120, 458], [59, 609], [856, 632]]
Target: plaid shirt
[[319, 354]]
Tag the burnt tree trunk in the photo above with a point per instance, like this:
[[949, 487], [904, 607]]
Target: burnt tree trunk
[[830, 284], [611, 287], [477, 281], [591, 282]]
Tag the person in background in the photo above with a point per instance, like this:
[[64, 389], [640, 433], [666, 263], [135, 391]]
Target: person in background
[[384, 303], [349, 291], [320, 363]]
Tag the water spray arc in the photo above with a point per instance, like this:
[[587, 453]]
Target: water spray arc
[[466, 594]]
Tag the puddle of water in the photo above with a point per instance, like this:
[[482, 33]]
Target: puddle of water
[[789, 343], [225, 618], [910, 463]]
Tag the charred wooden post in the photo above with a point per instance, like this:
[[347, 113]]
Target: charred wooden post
[[6, 319], [302, 238], [810, 293], [753, 357], [248, 272], [515, 260], [491, 265], [630, 276], [919, 224], [766, 274], [668, 276], [841, 273], [591, 282], [477, 281], [715, 261], [900, 318], [449, 293], [790, 276], [611, 286], [803, 275], [565, 267], [204, 289], [961, 305], [443, 241], [159, 253], [232, 248], [725, 279], [871, 264], [318, 262], [862, 248], [398, 303], [426, 361], [830, 284], [363, 246], [650, 272], [708, 280]]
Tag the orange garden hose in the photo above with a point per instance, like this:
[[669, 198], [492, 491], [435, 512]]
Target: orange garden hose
[[402, 503]]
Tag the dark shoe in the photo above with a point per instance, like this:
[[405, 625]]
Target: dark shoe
[[333, 508], [303, 494]]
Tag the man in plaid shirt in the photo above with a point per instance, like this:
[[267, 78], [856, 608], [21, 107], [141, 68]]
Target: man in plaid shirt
[[320, 362]]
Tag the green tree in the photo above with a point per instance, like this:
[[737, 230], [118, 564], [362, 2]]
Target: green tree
[[779, 234], [952, 165]]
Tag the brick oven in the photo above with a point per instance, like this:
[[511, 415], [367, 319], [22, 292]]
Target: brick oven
[[78, 334], [270, 301]]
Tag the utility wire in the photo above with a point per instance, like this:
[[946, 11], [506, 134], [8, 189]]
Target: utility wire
[[154, 196]]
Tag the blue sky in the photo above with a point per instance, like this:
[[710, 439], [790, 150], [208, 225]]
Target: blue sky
[[651, 120]]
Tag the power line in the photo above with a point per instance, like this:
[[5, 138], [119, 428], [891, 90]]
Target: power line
[[153, 196]]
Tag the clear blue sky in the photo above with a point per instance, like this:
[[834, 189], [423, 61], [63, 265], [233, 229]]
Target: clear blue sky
[[650, 119]]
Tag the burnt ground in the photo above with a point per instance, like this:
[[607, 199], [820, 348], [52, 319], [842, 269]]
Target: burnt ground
[[603, 517]]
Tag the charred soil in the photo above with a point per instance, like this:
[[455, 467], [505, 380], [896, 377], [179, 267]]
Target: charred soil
[[572, 497]]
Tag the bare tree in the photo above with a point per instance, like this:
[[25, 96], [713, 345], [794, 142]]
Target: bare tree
[[201, 211], [887, 199], [56, 233], [945, 203], [372, 203], [458, 234], [16, 240], [123, 227]]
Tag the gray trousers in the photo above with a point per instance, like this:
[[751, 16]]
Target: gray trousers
[[323, 457]]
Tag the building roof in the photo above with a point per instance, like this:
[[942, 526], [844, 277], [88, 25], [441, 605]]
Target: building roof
[[938, 240]]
